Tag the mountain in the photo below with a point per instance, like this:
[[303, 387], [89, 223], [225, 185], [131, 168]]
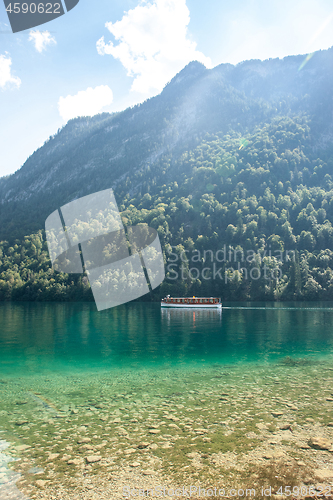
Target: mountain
[[90, 154], [235, 155]]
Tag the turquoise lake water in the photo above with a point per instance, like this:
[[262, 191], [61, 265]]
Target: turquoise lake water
[[229, 380], [37, 337]]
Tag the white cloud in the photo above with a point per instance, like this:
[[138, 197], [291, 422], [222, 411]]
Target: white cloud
[[85, 103], [41, 39], [7, 80], [153, 43]]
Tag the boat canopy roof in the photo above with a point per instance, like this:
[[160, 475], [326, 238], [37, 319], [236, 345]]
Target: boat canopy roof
[[192, 300]]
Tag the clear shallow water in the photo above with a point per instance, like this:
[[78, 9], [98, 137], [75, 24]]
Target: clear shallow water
[[8, 478], [38, 337]]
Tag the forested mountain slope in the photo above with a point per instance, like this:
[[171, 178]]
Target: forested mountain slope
[[238, 156]]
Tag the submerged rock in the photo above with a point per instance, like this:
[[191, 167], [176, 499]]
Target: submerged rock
[[40, 483], [91, 459], [286, 427], [143, 445], [148, 472], [288, 361], [83, 440], [21, 422], [74, 461], [320, 443], [323, 474]]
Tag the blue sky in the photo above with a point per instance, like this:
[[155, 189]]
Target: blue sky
[[111, 54]]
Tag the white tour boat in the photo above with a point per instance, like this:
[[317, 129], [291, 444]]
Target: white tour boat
[[192, 302]]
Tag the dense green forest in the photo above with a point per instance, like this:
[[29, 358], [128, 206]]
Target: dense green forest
[[231, 165], [241, 216]]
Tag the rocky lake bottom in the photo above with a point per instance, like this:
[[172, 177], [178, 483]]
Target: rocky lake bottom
[[94, 434]]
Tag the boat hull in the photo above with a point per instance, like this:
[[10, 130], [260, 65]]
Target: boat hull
[[192, 306]]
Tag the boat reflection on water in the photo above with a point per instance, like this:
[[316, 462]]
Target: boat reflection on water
[[190, 315], [191, 331]]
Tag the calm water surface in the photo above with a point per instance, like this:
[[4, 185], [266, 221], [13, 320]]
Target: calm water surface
[[37, 337]]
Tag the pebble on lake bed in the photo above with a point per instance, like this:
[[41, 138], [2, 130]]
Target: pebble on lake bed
[[83, 440], [148, 472], [320, 443], [286, 427], [143, 445], [21, 422], [40, 483], [323, 474], [91, 459], [74, 461]]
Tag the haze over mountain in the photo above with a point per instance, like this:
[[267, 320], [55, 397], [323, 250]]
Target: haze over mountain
[[90, 154], [236, 155]]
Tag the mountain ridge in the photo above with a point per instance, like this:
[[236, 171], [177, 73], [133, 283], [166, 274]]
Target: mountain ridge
[[89, 154], [237, 157]]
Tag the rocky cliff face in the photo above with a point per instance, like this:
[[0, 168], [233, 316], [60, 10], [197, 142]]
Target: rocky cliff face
[[108, 150]]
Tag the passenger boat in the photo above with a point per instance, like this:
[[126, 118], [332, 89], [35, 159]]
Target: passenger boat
[[192, 302]]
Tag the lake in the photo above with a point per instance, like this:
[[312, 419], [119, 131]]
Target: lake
[[37, 337], [198, 394]]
